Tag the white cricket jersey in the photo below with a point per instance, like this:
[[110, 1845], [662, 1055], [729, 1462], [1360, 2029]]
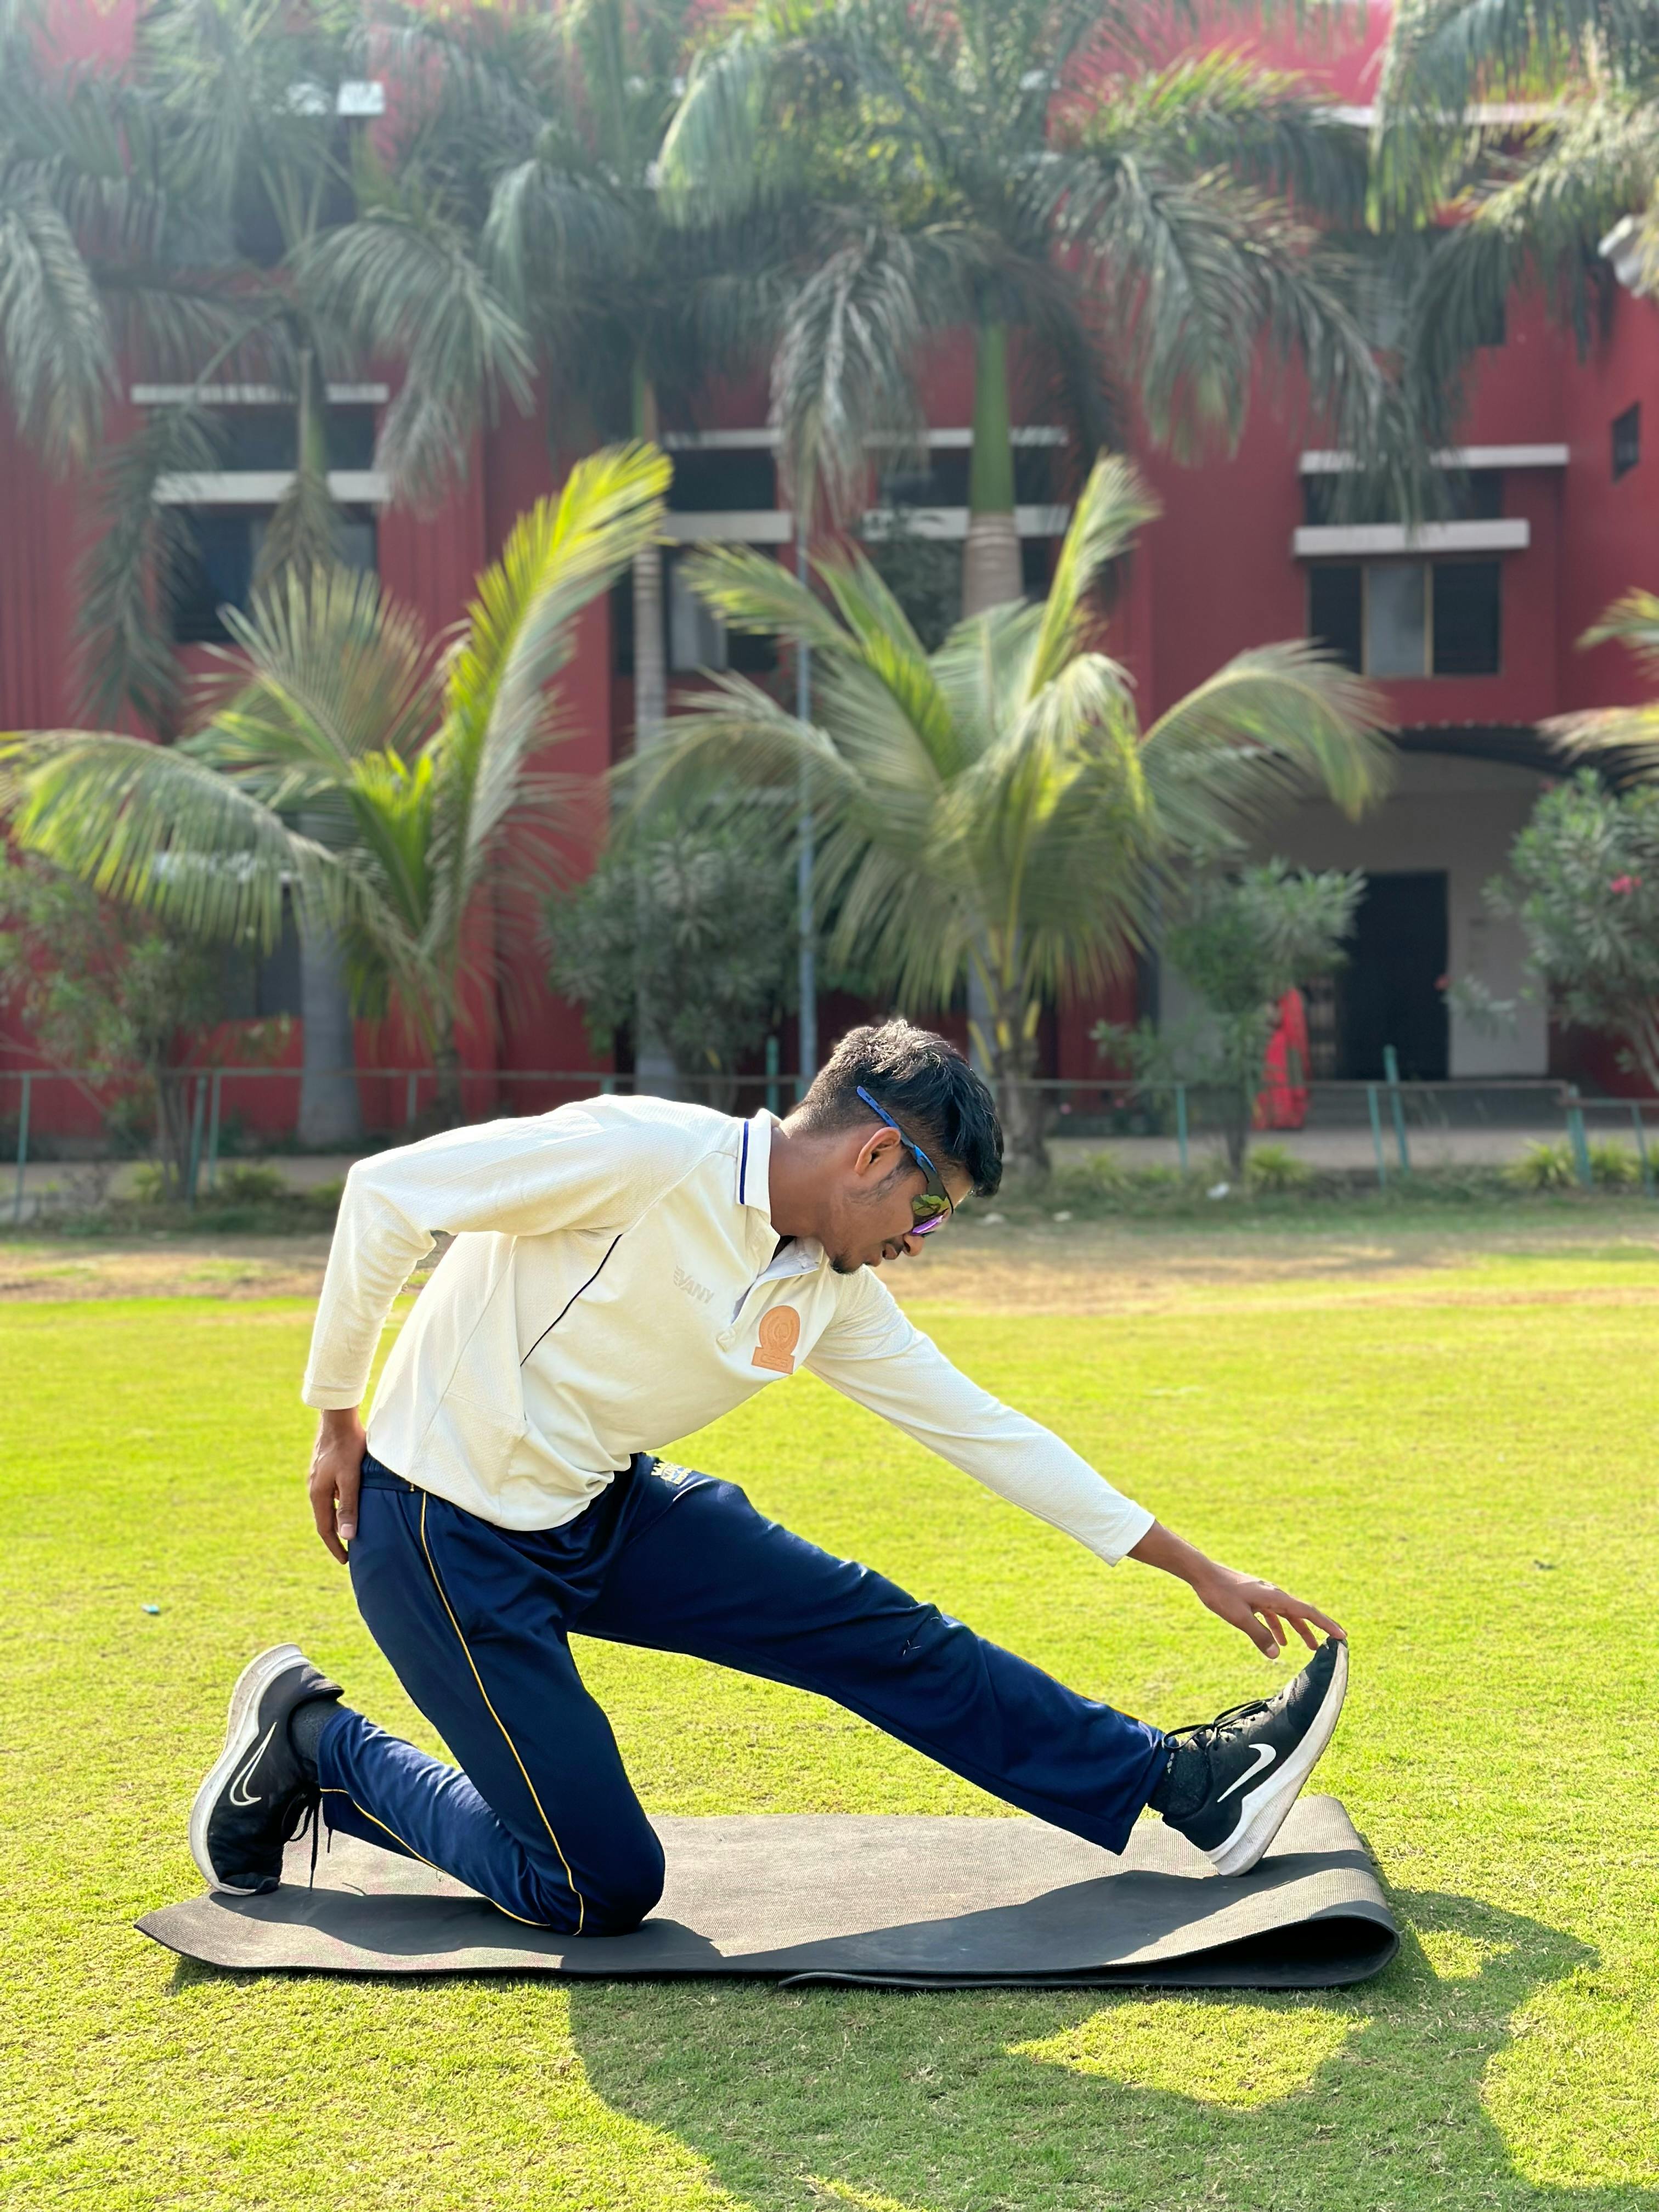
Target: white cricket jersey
[[612, 1286]]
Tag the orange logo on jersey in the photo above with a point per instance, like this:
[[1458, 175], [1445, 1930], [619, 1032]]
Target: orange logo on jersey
[[780, 1333]]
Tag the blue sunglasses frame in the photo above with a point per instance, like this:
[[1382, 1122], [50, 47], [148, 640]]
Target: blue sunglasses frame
[[925, 1226]]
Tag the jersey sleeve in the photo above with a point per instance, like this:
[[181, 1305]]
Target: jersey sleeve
[[872, 1354], [523, 1177]]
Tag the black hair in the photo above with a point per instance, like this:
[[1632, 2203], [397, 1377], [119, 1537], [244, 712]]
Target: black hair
[[923, 1083]]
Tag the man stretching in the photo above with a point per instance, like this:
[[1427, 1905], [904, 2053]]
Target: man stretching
[[624, 1270]]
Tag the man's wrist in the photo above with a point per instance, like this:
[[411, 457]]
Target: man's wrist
[[340, 1420], [1161, 1547]]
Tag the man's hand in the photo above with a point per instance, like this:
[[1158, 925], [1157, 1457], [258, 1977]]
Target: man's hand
[[1260, 1610], [337, 1474], [1257, 1609]]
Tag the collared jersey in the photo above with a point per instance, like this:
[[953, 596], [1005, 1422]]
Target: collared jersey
[[616, 1283]]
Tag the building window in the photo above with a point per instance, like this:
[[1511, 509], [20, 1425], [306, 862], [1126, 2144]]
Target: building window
[[1472, 495], [221, 554], [693, 636], [696, 635], [264, 438], [720, 480], [1405, 618], [1626, 440]]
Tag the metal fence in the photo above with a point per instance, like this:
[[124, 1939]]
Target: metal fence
[[1386, 1130]]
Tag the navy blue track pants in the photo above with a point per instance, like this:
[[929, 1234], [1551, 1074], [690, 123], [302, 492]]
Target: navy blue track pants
[[539, 1815]]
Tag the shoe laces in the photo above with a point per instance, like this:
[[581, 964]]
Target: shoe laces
[[309, 1822], [1203, 1734]]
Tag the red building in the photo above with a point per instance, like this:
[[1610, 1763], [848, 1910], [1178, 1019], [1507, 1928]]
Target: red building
[[1471, 627]]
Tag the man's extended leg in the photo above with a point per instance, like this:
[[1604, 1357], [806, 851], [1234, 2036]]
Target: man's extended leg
[[715, 1579]]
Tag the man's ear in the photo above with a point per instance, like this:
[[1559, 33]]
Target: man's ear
[[875, 1154]]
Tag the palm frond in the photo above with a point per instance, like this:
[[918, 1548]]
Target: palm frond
[[1632, 621], [126, 658], [1278, 722], [561, 554], [402, 284], [1115, 506], [326, 671], [153, 827], [1198, 271], [1221, 111], [55, 344], [844, 372], [1621, 742], [751, 592]]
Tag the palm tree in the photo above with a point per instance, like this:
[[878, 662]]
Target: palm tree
[[176, 219], [994, 812], [543, 129], [1536, 130], [350, 766], [1022, 165], [180, 219]]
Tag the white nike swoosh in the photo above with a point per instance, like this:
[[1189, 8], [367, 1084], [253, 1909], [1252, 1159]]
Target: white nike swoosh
[[239, 1795], [1264, 1755]]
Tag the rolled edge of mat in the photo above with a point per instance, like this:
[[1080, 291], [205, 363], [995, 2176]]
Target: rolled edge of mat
[[1360, 1945]]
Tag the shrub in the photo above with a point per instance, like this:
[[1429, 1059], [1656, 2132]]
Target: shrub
[[1544, 1167], [1275, 1168], [1161, 1179], [150, 1183], [1586, 890], [1614, 1166], [251, 1186]]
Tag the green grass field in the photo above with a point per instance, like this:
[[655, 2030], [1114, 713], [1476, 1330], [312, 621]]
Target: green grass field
[[1460, 1463]]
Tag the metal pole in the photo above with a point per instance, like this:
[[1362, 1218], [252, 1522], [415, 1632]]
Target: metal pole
[[1577, 1137], [807, 1020], [213, 1132], [1376, 1105], [22, 1148], [1181, 1125], [409, 1100], [771, 1075], [1642, 1145], [1391, 1071], [194, 1139]]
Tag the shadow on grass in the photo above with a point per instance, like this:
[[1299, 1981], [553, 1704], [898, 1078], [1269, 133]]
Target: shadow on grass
[[970, 2101]]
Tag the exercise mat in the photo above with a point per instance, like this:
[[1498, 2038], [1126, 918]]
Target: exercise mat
[[905, 1900]]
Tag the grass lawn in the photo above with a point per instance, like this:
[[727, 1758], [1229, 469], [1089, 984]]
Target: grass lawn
[[1456, 1457]]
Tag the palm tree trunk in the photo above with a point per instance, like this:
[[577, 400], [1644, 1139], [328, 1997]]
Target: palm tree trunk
[[1021, 1107], [330, 1113], [1008, 1042], [650, 661], [654, 1064], [446, 1065], [991, 572]]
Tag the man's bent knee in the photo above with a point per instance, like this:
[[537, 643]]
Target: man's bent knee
[[610, 1900]]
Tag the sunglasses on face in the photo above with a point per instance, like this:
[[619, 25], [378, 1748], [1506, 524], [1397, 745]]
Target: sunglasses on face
[[932, 1208]]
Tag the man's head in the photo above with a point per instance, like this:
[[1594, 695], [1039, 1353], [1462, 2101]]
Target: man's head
[[865, 1179]]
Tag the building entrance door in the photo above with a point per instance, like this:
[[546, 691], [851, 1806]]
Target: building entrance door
[[1392, 990]]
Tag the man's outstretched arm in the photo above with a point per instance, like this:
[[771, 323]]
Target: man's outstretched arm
[[875, 1356]]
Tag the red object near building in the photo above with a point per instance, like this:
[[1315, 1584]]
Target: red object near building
[[1282, 1102]]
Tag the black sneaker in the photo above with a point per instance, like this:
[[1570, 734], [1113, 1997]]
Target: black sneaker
[[1231, 1781], [259, 1793]]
